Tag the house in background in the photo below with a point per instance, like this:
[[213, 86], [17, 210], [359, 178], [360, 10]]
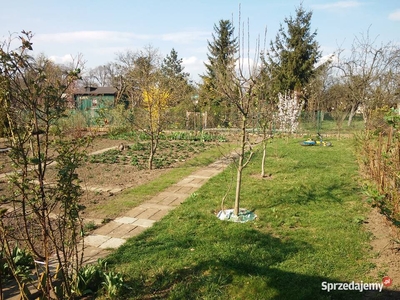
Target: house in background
[[90, 100], [93, 98]]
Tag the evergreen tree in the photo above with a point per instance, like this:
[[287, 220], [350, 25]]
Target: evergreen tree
[[172, 66], [221, 62], [180, 84], [293, 55]]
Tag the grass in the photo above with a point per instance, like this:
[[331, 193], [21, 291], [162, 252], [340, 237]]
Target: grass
[[133, 197], [308, 231], [329, 125]]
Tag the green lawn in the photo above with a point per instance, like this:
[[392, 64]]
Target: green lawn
[[308, 230]]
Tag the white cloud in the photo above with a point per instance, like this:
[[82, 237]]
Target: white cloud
[[190, 60], [395, 16], [84, 36], [65, 59], [338, 5], [186, 36]]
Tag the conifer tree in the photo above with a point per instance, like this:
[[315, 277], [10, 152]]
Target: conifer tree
[[221, 62], [291, 64], [293, 54], [172, 66]]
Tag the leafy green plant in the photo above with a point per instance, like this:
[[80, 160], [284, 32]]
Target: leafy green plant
[[134, 161], [87, 280], [112, 284], [90, 226], [95, 279], [21, 264], [138, 146], [374, 197]]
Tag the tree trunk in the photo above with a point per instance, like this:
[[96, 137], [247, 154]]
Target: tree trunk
[[153, 147], [352, 113], [240, 166], [263, 158]]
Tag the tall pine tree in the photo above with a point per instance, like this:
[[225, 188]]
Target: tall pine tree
[[221, 62], [292, 56], [290, 67]]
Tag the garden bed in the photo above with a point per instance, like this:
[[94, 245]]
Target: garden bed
[[105, 174]]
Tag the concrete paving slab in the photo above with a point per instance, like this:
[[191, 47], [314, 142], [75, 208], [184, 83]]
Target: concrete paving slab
[[107, 228], [144, 223], [177, 202], [125, 220], [194, 185], [155, 205], [136, 231], [122, 231], [147, 213], [199, 176], [169, 200], [96, 240], [91, 251], [199, 181], [165, 198], [187, 190], [185, 181], [112, 243], [159, 215], [132, 213], [172, 189]]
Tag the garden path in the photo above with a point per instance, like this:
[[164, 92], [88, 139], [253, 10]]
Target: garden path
[[115, 233]]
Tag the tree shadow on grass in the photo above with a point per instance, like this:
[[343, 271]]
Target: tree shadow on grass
[[234, 262], [305, 194]]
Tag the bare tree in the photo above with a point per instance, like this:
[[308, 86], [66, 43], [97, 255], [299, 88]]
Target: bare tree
[[238, 84], [369, 74], [101, 75]]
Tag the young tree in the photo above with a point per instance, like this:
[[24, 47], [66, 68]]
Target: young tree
[[152, 92], [156, 101], [291, 60], [44, 217], [238, 84], [221, 60]]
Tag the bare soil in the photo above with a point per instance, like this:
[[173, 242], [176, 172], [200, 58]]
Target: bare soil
[[385, 243], [107, 173]]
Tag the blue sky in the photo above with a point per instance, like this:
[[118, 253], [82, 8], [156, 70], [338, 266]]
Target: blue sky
[[100, 29]]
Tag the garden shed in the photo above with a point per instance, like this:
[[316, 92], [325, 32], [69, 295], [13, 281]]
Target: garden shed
[[93, 102], [92, 98]]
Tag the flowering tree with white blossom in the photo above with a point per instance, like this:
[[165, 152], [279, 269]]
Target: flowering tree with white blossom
[[289, 109]]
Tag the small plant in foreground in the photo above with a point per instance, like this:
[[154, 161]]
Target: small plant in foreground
[[90, 226], [95, 279]]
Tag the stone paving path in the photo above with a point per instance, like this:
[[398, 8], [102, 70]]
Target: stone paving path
[[113, 234]]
